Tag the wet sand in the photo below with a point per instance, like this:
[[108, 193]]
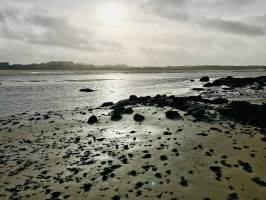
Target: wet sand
[[58, 155]]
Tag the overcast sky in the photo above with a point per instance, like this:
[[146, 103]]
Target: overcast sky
[[139, 32]]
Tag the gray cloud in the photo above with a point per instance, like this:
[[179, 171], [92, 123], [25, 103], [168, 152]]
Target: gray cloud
[[234, 27], [45, 28], [57, 31], [154, 32], [197, 12], [230, 3], [172, 9]]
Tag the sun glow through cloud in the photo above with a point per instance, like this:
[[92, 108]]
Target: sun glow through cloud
[[112, 13]]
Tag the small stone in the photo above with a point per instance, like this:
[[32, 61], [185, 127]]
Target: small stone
[[132, 173], [86, 90], [183, 182], [87, 187], [116, 197], [163, 158], [232, 196]]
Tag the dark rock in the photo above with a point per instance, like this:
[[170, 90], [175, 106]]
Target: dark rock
[[174, 115], [218, 172], [132, 173], [259, 181], [128, 110], [167, 133], [116, 117], [107, 171], [204, 79], [238, 82], [197, 113], [232, 196], [122, 103], [198, 89], [163, 158], [124, 161], [158, 175], [77, 140], [147, 156], [245, 113], [116, 197], [139, 118], [87, 187], [118, 110], [107, 104], [45, 117], [55, 195], [125, 147], [86, 90], [133, 98], [219, 101], [183, 182], [246, 166], [93, 119], [138, 185]]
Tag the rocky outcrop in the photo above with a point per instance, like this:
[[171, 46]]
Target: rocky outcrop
[[245, 113], [239, 82]]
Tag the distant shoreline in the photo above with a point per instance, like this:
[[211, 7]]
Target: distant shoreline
[[37, 72], [79, 66]]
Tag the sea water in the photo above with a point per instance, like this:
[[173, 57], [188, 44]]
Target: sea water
[[38, 91]]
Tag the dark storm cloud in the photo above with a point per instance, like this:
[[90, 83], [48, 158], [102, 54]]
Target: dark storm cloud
[[45, 28]]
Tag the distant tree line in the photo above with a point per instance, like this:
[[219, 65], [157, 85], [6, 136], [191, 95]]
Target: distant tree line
[[62, 65]]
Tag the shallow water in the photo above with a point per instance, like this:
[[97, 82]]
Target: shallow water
[[32, 91]]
